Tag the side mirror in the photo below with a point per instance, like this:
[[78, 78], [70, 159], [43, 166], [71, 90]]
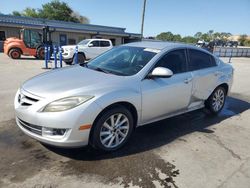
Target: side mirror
[[160, 72], [90, 45]]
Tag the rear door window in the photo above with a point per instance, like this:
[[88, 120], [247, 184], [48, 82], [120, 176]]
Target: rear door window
[[200, 60], [104, 43]]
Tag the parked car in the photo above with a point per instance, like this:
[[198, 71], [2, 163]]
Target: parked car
[[232, 44], [87, 49], [201, 44], [101, 103]]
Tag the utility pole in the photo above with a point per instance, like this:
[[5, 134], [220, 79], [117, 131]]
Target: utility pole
[[143, 15]]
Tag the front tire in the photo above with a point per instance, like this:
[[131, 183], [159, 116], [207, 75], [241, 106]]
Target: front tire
[[15, 53], [40, 53], [68, 62], [112, 129], [216, 100], [80, 58]]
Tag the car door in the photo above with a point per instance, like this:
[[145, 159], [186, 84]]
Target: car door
[[93, 49], [164, 96], [205, 74]]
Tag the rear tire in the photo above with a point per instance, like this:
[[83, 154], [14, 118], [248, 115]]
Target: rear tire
[[15, 53], [216, 100], [114, 125]]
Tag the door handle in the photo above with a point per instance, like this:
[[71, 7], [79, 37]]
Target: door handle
[[187, 80]]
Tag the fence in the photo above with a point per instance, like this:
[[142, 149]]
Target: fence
[[231, 52]]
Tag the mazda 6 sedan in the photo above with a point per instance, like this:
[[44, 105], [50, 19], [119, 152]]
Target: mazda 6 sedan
[[101, 102]]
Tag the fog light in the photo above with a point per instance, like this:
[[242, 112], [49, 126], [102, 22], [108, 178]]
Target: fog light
[[46, 131]]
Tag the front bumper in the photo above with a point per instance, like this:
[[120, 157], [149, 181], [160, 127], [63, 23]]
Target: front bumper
[[68, 55], [28, 116]]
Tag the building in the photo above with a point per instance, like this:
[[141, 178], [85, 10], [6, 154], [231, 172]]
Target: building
[[66, 32], [237, 37]]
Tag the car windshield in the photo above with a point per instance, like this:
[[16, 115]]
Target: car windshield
[[84, 42], [123, 60]]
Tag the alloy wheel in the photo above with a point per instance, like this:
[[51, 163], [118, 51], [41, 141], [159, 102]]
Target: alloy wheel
[[218, 100], [114, 130]]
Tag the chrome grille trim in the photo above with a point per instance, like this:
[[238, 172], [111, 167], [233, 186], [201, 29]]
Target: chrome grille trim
[[30, 127], [25, 100]]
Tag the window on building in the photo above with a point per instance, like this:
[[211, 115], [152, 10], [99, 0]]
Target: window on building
[[71, 41], [2, 35]]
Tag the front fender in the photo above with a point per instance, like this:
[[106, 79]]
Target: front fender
[[131, 96], [10, 45]]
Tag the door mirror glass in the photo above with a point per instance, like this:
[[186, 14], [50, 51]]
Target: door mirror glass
[[160, 72]]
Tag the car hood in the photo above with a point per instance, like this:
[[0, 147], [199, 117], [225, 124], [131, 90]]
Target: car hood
[[73, 80]]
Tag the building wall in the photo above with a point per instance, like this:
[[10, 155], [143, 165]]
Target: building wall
[[72, 36], [10, 31]]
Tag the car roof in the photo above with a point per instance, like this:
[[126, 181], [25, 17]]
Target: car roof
[[160, 45], [100, 39]]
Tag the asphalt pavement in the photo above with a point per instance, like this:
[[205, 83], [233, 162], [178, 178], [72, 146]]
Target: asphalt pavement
[[192, 150]]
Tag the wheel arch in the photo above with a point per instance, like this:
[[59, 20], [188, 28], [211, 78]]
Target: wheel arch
[[129, 106], [15, 47], [225, 86], [82, 54]]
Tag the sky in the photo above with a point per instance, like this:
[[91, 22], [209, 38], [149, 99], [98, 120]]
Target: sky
[[185, 17]]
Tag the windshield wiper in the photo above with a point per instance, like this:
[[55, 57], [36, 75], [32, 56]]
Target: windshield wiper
[[102, 70]]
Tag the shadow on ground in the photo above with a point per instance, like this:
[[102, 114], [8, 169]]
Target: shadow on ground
[[157, 134]]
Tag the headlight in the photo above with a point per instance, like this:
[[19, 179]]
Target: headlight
[[69, 49], [66, 103]]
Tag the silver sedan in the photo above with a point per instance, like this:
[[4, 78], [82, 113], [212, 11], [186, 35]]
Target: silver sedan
[[100, 103]]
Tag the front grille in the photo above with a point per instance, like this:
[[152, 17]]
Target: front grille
[[30, 127], [25, 100]]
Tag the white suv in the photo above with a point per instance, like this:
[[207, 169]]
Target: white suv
[[87, 49]]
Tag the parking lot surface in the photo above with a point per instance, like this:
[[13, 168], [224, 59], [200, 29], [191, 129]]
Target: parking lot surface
[[192, 150]]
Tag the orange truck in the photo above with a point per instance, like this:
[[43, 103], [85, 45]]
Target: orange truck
[[30, 43]]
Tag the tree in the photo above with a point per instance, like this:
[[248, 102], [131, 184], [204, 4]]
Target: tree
[[54, 10], [189, 39], [166, 36], [210, 34], [82, 19], [205, 37], [31, 12], [177, 37], [243, 39], [246, 43], [16, 13], [217, 35], [198, 35]]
